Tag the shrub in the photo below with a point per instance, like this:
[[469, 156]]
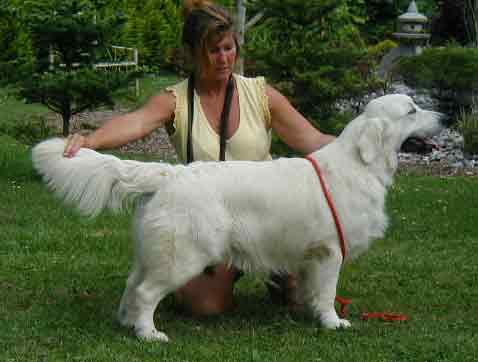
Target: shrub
[[155, 28], [468, 126], [313, 53], [449, 73]]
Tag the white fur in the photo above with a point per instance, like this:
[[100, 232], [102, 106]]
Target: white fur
[[269, 216]]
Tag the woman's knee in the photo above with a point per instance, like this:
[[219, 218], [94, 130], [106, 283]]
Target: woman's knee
[[209, 293]]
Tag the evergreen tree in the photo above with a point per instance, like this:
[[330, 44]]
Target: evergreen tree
[[17, 52], [66, 36], [313, 51], [154, 27]]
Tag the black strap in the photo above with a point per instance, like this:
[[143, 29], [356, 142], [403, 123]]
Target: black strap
[[224, 119], [189, 148]]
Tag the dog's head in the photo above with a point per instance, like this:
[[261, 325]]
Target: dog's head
[[386, 123]]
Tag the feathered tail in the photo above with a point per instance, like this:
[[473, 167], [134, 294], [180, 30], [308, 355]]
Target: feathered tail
[[92, 180]]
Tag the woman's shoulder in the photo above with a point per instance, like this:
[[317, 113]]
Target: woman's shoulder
[[252, 84], [249, 80]]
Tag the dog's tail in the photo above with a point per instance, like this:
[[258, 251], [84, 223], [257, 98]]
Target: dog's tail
[[92, 180]]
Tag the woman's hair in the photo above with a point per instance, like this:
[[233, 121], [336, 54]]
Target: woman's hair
[[204, 22]]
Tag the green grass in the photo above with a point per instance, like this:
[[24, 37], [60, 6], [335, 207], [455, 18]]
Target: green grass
[[149, 85], [13, 110], [23, 120], [61, 278]]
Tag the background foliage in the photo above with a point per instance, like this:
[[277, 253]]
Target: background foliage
[[66, 36], [321, 53], [452, 86], [154, 26], [324, 52]]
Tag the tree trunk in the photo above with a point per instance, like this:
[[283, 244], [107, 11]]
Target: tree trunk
[[241, 28]]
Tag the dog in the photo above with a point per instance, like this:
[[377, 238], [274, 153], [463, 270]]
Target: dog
[[266, 216]]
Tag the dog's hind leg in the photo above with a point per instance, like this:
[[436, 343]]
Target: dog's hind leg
[[143, 300], [318, 285], [145, 289], [125, 317]]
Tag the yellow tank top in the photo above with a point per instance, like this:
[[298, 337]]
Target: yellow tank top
[[252, 139]]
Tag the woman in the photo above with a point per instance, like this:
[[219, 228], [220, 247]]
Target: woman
[[248, 111]]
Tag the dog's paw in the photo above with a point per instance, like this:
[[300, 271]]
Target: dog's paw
[[330, 320], [151, 335], [344, 323]]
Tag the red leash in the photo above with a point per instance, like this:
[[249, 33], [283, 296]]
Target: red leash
[[338, 225], [384, 316], [344, 303]]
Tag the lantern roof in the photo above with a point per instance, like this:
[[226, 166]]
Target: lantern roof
[[412, 15]]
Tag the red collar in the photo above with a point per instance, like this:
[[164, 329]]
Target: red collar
[[338, 225]]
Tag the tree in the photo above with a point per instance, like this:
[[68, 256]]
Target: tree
[[450, 74], [66, 37], [313, 52], [154, 27], [243, 25], [15, 42]]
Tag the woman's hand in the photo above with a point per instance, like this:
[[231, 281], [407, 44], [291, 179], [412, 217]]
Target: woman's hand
[[73, 144]]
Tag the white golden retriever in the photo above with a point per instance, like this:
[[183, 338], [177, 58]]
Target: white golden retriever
[[268, 216]]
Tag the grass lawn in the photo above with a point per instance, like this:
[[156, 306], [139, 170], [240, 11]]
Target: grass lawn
[[61, 278], [12, 108]]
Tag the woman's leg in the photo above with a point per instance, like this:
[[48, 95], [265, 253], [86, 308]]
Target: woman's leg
[[210, 293]]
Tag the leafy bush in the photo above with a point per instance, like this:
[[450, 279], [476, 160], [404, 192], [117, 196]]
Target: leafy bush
[[468, 126], [449, 73], [155, 28], [313, 52], [379, 50]]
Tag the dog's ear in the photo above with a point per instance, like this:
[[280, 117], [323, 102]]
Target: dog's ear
[[370, 142]]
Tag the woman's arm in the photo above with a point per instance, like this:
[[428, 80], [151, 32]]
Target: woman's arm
[[127, 127], [292, 127]]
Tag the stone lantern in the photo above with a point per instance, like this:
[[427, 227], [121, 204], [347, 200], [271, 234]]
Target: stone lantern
[[412, 33]]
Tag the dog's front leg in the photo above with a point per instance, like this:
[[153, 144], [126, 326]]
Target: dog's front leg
[[319, 286]]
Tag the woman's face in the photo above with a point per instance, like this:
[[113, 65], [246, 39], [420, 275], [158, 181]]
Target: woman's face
[[222, 54]]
